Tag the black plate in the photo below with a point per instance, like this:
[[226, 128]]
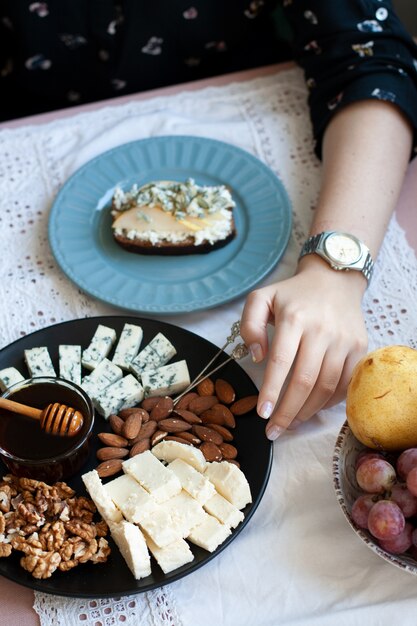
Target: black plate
[[113, 578]]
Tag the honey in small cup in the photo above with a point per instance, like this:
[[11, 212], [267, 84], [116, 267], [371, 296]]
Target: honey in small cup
[[26, 449]]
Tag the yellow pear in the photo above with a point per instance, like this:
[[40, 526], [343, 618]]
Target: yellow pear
[[381, 402]]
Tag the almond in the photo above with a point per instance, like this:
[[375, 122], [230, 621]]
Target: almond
[[224, 391], [124, 413], [219, 414], [188, 416], [225, 432], [132, 425], [110, 439], [207, 434], [206, 387], [140, 447], [149, 403], [158, 436], [211, 451], [190, 437], [146, 431], [144, 415], [177, 438], [228, 451], [173, 425], [202, 403], [109, 468], [244, 405], [162, 409], [105, 454], [184, 402], [116, 424]]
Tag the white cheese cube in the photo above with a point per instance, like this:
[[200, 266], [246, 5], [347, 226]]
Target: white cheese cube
[[128, 345], [9, 376], [210, 534], [70, 363], [161, 528], [194, 483], [230, 482], [224, 511], [158, 352], [170, 450], [39, 362], [167, 380], [157, 479], [133, 500], [105, 505], [100, 346], [105, 374], [122, 394], [185, 512], [133, 548], [171, 557]]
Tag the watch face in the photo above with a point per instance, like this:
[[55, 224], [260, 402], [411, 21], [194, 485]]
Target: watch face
[[342, 249]]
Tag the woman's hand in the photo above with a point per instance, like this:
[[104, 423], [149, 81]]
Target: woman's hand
[[319, 335]]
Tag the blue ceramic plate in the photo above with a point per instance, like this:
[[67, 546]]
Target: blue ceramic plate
[[82, 243]]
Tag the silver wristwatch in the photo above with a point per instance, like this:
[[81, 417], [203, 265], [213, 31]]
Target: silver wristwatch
[[342, 251]]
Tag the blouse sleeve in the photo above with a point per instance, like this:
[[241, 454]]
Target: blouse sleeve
[[353, 50]]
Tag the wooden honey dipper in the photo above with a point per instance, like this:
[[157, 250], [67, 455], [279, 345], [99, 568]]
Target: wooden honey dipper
[[55, 419]]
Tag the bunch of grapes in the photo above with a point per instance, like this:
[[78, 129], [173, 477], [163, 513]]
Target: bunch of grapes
[[388, 506]]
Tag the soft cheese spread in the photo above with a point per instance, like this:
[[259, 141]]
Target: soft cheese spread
[[173, 212]]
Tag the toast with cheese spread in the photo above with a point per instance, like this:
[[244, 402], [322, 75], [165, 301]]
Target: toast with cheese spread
[[168, 217]]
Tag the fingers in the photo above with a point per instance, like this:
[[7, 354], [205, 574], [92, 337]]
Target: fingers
[[256, 314]]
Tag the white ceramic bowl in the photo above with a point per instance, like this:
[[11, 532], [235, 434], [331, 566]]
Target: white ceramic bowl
[[345, 454]]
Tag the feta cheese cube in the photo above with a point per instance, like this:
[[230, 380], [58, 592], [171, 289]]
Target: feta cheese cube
[[194, 483], [171, 557], [39, 362], [223, 510], [133, 548], [158, 352], [185, 512], [70, 363], [101, 377], [9, 376], [133, 500], [100, 346], [209, 534], [160, 527], [157, 479], [105, 505], [230, 482], [170, 450], [122, 394], [128, 345], [167, 380]]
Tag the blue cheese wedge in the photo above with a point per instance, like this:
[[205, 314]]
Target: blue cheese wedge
[[157, 479], [194, 483], [39, 362], [105, 374], [185, 512], [133, 500], [100, 346], [99, 495], [123, 394], [132, 545], [9, 376], [170, 450], [174, 555], [128, 345], [224, 511], [230, 482], [210, 534], [155, 354], [70, 363], [166, 380]]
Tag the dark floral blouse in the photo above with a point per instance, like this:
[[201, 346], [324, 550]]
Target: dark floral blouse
[[60, 53]]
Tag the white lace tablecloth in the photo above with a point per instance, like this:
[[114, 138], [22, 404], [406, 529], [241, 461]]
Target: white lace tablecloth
[[297, 561]]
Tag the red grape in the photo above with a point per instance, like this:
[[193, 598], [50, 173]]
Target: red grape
[[399, 544], [367, 454], [405, 499], [375, 475], [406, 461], [412, 481], [361, 508], [386, 520]]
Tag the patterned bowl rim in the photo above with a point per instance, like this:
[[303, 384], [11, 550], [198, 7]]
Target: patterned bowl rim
[[403, 562]]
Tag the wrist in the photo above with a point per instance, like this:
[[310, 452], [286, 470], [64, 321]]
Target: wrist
[[319, 270]]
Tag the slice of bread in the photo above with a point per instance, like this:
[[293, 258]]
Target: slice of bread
[[171, 218]]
